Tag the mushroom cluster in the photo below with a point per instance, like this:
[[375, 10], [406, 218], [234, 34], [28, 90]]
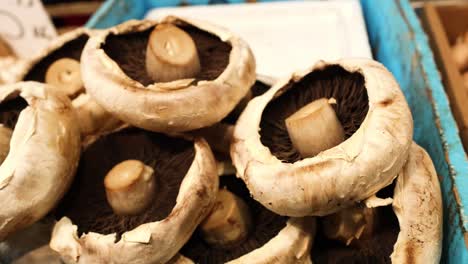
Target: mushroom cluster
[[156, 142]]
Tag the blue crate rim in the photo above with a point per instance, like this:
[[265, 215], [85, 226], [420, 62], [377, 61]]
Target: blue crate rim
[[455, 154]]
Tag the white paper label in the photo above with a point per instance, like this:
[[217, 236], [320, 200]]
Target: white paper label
[[26, 26]]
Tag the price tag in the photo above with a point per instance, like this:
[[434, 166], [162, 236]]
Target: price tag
[[25, 26]]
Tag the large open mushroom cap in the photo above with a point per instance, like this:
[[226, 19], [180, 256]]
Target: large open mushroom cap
[[43, 155], [93, 119], [418, 205], [114, 74], [185, 173], [68, 45], [377, 123], [409, 230], [271, 239]]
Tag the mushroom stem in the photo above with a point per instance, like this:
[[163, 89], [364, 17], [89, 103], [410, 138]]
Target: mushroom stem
[[312, 129], [315, 128], [228, 223], [350, 224], [5, 137], [171, 54], [130, 187], [65, 74]]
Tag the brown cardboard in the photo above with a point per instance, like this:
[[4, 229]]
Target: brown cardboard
[[443, 24]]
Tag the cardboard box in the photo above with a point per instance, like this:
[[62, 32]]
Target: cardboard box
[[443, 23]]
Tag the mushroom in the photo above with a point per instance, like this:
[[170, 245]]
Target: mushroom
[[146, 73], [241, 230], [409, 231], [137, 197], [378, 129], [59, 65], [43, 155]]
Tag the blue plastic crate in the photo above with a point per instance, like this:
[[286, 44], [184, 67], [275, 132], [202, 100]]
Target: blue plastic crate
[[397, 41]]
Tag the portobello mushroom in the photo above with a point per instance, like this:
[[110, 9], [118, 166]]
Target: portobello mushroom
[[168, 75], [59, 65], [137, 197], [241, 230], [43, 154], [375, 120], [407, 231]]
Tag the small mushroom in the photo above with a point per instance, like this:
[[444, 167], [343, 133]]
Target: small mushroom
[[137, 197], [377, 124], [59, 65], [408, 231], [43, 155], [146, 73], [240, 230]]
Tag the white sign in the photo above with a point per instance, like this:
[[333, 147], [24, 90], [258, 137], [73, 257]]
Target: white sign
[[25, 25], [289, 36]]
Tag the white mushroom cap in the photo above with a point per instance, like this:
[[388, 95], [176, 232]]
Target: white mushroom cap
[[340, 176], [53, 46], [292, 245], [167, 107], [43, 156], [155, 242], [93, 119], [417, 204]]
